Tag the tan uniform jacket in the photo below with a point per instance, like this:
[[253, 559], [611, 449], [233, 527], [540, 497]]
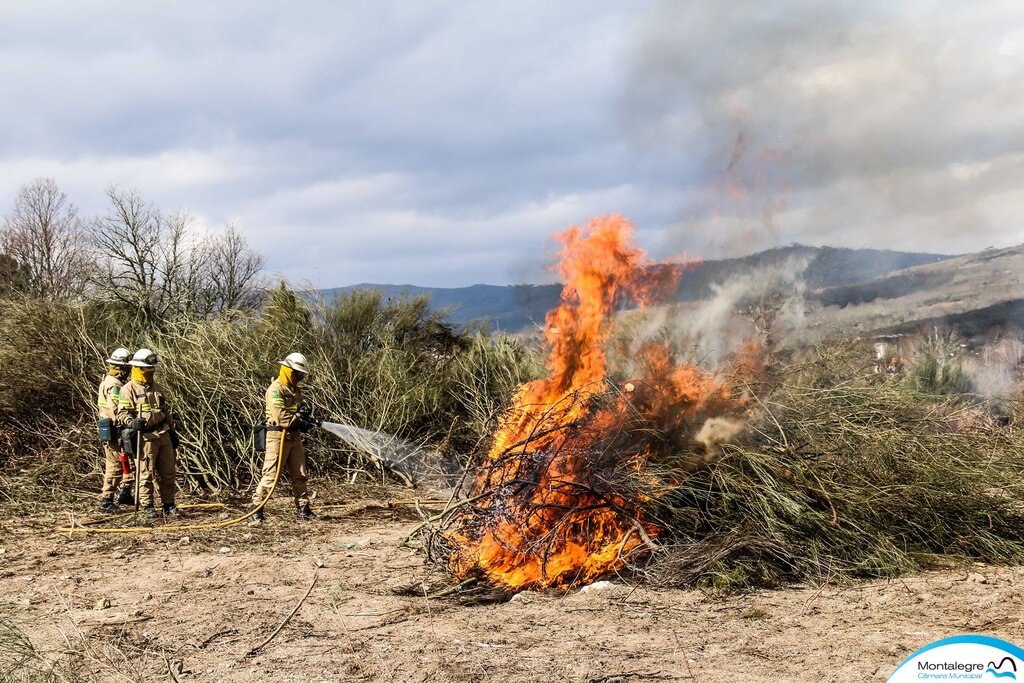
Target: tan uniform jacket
[[154, 404], [283, 404], [108, 400]]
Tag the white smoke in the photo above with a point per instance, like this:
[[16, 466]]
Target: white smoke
[[997, 372], [716, 431], [767, 300]]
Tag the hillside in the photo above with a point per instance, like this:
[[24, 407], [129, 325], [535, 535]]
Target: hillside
[[977, 294], [514, 307]]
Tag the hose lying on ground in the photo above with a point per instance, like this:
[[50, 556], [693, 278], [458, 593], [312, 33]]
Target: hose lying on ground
[[121, 515], [334, 506]]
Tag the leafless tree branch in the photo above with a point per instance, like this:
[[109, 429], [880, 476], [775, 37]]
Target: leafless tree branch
[[157, 263], [43, 243]]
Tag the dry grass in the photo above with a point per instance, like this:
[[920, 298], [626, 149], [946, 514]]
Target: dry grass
[[839, 473]]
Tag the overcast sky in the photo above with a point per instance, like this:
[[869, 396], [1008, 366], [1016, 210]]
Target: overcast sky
[[442, 143]]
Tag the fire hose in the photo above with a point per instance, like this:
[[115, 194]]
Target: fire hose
[[332, 506], [120, 515], [185, 527]]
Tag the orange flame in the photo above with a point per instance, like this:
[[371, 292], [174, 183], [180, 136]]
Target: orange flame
[[600, 268], [547, 515]]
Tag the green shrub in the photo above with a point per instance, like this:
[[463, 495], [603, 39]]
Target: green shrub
[[388, 366]]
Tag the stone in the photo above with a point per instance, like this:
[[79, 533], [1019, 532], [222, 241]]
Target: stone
[[597, 587]]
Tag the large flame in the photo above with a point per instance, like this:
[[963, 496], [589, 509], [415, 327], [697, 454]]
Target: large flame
[[600, 268], [545, 512]]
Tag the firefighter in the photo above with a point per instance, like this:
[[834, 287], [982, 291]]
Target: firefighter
[[146, 410], [116, 470], [286, 422]]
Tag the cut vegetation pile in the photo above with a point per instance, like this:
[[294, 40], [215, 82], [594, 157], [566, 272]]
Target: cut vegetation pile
[[839, 473], [752, 470], [843, 473]]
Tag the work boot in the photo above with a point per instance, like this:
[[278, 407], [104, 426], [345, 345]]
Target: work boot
[[256, 518], [149, 512], [125, 497], [306, 514], [107, 507], [170, 510]]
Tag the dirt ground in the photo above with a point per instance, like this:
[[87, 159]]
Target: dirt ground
[[192, 607]]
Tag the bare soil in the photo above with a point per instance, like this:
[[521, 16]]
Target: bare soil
[[176, 607]]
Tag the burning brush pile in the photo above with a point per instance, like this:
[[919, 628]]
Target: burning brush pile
[[725, 477]]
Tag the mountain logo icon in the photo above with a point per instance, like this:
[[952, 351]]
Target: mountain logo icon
[[998, 671]]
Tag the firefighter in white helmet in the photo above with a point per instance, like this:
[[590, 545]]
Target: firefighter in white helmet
[[286, 422], [146, 409], [116, 469]]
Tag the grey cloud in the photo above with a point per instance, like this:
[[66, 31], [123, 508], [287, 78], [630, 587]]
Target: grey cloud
[[289, 117], [882, 124], [441, 143]]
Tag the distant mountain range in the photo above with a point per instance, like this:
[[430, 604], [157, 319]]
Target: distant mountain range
[[828, 271], [979, 295], [508, 308]]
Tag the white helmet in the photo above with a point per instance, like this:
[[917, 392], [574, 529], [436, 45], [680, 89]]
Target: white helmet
[[120, 356], [144, 358], [297, 362]]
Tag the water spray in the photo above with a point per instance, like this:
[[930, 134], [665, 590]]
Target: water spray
[[381, 446]]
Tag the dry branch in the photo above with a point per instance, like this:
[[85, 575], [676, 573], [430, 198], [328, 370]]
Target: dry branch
[[280, 626]]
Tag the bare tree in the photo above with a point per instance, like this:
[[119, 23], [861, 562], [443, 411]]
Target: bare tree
[[129, 240], [235, 270], [46, 242], [184, 282], [155, 262]]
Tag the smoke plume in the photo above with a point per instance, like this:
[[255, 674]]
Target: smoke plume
[[893, 125]]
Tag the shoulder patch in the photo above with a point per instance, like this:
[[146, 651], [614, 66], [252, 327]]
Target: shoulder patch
[[275, 393]]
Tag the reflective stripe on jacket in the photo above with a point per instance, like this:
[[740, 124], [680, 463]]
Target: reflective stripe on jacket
[[108, 399], [153, 402]]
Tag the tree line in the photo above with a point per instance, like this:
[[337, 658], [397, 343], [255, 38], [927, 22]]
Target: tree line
[[154, 263], [72, 288]]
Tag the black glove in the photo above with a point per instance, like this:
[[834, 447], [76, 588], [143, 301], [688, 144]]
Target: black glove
[[138, 424], [306, 419]]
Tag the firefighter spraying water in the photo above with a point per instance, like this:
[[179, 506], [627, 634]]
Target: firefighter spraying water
[[286, 423]]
